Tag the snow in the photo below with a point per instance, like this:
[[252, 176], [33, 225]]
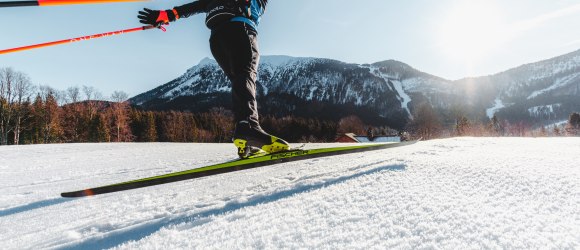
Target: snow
[[181, 88], [543, 110], [281, 61], [497, 106], [557, 84], [378, 139], [404, 98], [206, 61], [461, 193], [311, 95], [561, 123]]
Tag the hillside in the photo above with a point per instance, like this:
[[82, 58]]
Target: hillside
[[455, 193], [382, 93]]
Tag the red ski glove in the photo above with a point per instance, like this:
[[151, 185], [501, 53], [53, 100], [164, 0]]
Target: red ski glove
[[157, 17]]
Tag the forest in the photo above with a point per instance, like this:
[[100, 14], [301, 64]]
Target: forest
[[31, 114]]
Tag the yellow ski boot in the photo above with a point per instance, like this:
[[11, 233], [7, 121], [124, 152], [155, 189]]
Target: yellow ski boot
[[253, 141]]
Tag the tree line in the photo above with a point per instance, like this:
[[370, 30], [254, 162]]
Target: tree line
[[429, 123], [32, 114]]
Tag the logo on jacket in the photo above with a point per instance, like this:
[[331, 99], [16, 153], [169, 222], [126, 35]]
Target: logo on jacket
[[218, 8]]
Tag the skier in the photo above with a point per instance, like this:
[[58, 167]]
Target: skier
[[234, 45]]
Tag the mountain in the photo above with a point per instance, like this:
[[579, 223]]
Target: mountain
[[539, 92], [308, 87], [382, 93]]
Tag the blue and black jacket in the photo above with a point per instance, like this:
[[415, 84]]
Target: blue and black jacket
[[219, 12]]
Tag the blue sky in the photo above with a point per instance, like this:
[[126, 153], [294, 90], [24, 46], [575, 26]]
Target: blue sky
[[447, 38]]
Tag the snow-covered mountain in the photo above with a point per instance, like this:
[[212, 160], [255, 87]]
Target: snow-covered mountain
[[302, 86], [382, 92]]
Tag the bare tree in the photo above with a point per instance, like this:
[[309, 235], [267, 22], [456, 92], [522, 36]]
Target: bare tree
[[15, 90], [92, 97], [72, 116], [23, 90], [351, 124], [120, 113], [223, 123], [426, 123], [7, 78], [73, 94]]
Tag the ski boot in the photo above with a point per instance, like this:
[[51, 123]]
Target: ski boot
[[252, 141]]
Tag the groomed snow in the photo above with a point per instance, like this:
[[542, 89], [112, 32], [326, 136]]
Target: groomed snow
[[463, 193]]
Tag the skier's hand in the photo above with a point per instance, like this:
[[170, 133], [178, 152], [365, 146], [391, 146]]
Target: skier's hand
[[157, 17]]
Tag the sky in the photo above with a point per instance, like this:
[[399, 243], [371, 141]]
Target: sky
[[447, 38]]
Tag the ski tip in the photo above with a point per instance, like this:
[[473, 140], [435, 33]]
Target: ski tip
[[83, 193]]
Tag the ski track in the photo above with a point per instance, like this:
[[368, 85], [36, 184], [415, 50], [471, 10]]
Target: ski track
[[467, 193]]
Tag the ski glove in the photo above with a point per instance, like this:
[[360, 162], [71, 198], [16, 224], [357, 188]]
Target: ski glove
[[157, 17]]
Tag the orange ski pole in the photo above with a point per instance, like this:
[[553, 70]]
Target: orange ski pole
[[77, 39], [59, 2]]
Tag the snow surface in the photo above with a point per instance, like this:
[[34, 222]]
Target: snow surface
[[378, 139], [463, 193]]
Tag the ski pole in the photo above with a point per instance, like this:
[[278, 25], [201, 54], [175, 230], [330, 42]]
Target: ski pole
[[59, 2], [78, 39]]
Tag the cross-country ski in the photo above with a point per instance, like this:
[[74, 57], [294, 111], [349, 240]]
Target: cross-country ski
[[232, 166]]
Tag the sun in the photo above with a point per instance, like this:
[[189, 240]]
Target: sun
[[470, 30]]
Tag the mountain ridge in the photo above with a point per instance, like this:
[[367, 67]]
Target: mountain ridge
[[383, 92]]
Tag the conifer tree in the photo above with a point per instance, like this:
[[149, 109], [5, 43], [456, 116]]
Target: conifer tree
[[573, 126], [150, 129], [495, 127], [37, 120], [462, 126], [99, 131], [556, 131], [52, 129]]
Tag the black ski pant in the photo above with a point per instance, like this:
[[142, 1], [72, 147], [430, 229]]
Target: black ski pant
[[235, 48]]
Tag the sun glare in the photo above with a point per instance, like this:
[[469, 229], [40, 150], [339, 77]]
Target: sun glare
[[470, 30]]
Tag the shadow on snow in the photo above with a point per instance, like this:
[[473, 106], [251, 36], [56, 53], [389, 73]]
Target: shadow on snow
[[32, 206], [137, 232]]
